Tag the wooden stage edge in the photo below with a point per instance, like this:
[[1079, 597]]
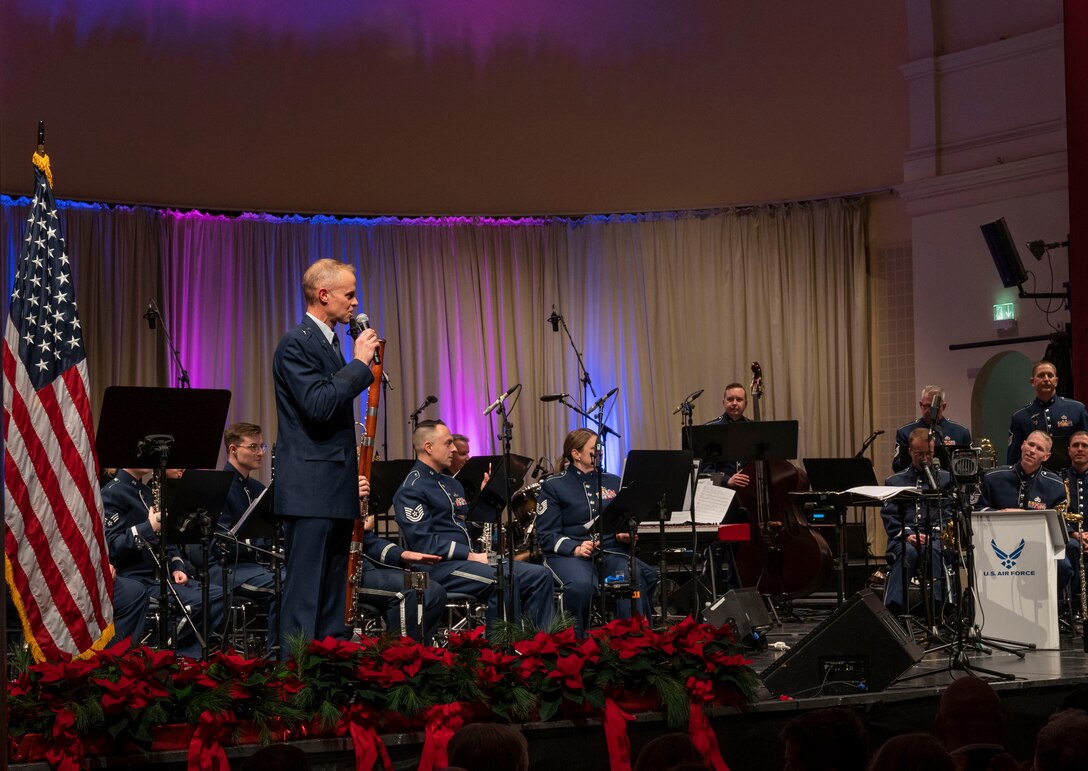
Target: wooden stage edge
[[749, 738]]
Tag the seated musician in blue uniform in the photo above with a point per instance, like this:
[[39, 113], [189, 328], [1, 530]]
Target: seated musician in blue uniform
[[567, 508], [132, 532], [1075, 476], [1048, 412], [734, 403], [944, 430], [1027, 485], [430, 508], [240, 570], [917, 524], [382, 585]]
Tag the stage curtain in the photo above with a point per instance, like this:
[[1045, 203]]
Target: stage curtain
[[659, 305]]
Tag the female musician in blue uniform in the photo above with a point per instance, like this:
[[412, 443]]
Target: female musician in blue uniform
[[566, 511]]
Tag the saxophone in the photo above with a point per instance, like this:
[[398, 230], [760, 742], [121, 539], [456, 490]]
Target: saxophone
[[1078, 518]]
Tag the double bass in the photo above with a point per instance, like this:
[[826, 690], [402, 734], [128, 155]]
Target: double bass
[[785, 556]]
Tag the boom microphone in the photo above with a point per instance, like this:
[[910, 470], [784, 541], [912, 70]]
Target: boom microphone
[[361, 323], [553, 397], [502, 398], [600, 402], [151, 314]]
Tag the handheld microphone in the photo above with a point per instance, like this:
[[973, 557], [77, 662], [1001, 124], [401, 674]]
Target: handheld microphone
[[361, 323], [554, 320], [553, 397], [151, 314], [600, 402], [502, 398]]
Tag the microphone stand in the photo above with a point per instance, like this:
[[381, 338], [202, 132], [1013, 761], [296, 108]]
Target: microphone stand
[[154, 313], [867, 443], [583, 378], [506, 529]]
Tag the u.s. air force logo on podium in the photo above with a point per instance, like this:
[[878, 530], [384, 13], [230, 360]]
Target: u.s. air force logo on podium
[[1008, 560]]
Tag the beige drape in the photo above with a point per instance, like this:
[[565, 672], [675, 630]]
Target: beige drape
[[660, 306]]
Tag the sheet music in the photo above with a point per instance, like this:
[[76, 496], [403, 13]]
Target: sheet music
[[883, 492], [249, 510], [711, 504]]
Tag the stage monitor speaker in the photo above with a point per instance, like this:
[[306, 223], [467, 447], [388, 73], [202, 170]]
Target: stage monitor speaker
[[744, 611], [859, 648]]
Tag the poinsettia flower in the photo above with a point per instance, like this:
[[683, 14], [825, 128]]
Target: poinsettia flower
[[569, 669]]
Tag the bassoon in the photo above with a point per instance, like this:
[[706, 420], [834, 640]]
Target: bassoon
[[366, 458]]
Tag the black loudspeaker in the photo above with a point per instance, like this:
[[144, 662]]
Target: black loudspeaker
[[743, 610], [859, 648]]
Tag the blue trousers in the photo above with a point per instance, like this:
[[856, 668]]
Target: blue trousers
[[185, 639], [534, 588], [893, 587], [250, 581], [131, 599], [315, 589], [579, 580], [384, 589]]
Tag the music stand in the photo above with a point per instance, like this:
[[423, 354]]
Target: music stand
[[160, 428], [486, 507], [386, 477], [836, 475], [742, 441], [472, 473], [654, 480], [195, 503]]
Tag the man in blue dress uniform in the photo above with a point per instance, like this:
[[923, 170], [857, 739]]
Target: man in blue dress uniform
[[566, 511], [907, 522], [132, 532], [245, 574], [944, 431], [1049, 412], [316, 475], [1076, 481], [430, 508], [1027, 485]]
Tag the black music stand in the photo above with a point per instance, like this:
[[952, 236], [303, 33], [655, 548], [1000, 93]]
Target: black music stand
[[386, 477], [742, 441], [160, 428], [260, 523], [472, 473], [836, 475], [195, 503], [654, 480]]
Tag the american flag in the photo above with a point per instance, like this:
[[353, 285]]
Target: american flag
[[56, 560]]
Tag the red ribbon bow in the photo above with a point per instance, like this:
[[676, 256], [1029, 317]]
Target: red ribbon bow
[[206, 747], [360, 722], [442, 721], [704, 739], [65, 753], [615, 736]]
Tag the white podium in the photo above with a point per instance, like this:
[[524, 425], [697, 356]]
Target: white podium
[[1016, 574]]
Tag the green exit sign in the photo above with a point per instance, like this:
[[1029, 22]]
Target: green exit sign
[[1004, 312]]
